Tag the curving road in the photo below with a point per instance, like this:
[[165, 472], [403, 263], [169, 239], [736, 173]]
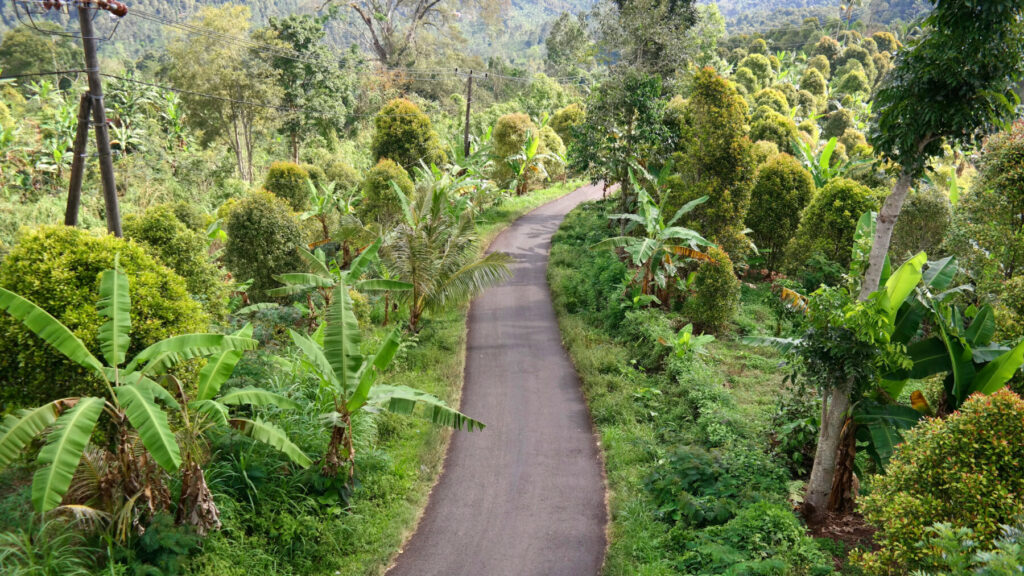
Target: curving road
[[525, 496]]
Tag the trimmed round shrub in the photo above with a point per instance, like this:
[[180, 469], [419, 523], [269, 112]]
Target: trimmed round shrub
[[6, 121], [854, 141], [58, 268], [191, 216], [870, 45], [758, 46], [763, 151], [716, 296], [316, 173], [746, 80], [858, 53], [380, 203], [1010, 317], [344, 176], [566, 119], [854, 82], [774, 127], [675, 115], [829, 222], [885, 41], [508, 137], [837, 123], [883, 64], [810, 127], [783, 190], [814, 82], [789, 91], [809, 103], [184, 251], [405, 135], [287, 181], [760, 66], [263, 235], [828, 47], [922, 225], [821, 64], [772, 99], [966, 470], [552, 144]]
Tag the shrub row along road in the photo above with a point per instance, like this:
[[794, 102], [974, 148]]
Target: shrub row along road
[[525, 496]]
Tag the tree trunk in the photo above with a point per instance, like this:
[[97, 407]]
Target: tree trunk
[[196, 507], [295, 147], [883, 234], [842, 498], [833, 415]]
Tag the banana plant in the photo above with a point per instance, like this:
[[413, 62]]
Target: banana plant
[[349, 377], [133, 398], [209, 409], [528, 164], [653, 251], [819, 163], [324, 276]]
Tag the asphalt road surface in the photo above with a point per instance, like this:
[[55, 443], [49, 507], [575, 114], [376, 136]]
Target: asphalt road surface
[[526, 495]]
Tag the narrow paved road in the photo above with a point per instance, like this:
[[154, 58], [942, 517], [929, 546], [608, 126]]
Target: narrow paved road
[[525, 496]]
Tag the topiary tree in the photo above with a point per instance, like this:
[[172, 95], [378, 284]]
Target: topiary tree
[[885, 42], [827, 47], [854, 52], [854, 82], [508, 138], [405, 135], [772, 99], [837, 123], [59, 268], [563, 121], [716, 296], [783, 190], [342, 173], [763, 151], [758, 46], [774, 127], [922, 226], [263, 235], [829, 222], [714, 161], [184, 251], [287, 181], [760, 66], [380, 203], [746, 80], [821, 64], [808, 103], [551, 146], [814, 82], [965, 470]]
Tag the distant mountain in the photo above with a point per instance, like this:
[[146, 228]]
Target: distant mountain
[[745, 16]]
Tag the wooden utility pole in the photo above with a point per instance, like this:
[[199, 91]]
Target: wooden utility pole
[[78, 161], [90, 44]]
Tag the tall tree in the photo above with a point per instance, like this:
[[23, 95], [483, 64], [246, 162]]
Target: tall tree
[[647, 35], [952, 85], [315, 84], [568, 44], [236, 76]]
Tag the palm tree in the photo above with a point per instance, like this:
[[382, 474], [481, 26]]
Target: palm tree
[[334, 355], [652, 251], [435, 249], [130, 402]]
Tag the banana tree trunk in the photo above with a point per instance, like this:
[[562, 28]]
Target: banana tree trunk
[[341, 438], [196, 507]]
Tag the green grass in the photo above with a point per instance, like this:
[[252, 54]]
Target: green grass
[[396, 471], [722, 402]]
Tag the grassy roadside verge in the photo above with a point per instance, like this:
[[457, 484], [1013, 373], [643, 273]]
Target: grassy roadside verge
[[696, 485]]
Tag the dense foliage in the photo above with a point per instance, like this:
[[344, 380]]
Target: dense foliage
[[263, 238]]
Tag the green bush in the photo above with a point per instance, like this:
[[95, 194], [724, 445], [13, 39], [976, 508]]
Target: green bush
[[191, 216], [822, 65], [263, 235], [340, 172], [886, 42], [810, 127], [772, 99], [760, 66], [184, 251], [6, 121], [58, 268], [966, 469], [746, 80], [814, 82], [508, 138], [1010, 315], [405, 135], [808, 103], [758, 46], [829, 222], [854, 82], [646, 332], [774, 127], [288, 181], [552, 144], [380, 203], [717, 293], [762, 151], [922, 225], [566, 119], [827, 47], [783, 190], [837, 123]]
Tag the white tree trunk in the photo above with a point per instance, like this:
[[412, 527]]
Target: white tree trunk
[[883, 235]]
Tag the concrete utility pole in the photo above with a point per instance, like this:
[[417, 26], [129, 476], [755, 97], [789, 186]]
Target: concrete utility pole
[[78, 161], [90, 43], [469, 104]]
